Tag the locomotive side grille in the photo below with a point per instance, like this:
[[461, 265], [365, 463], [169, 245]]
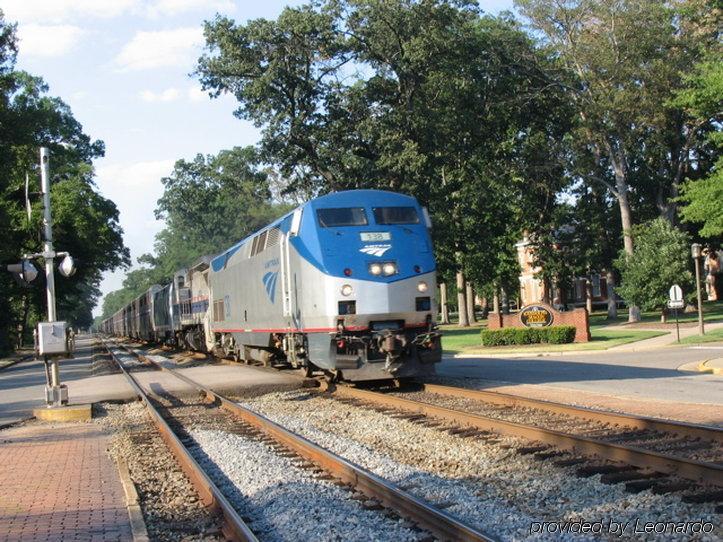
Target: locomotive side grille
[[273, 237]]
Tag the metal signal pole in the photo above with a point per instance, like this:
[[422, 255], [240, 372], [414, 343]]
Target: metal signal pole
[[49, 257]]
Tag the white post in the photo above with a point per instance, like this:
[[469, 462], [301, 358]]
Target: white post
[[49, 256], [48, 226]]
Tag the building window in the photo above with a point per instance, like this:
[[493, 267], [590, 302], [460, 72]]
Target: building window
[[595, 285]]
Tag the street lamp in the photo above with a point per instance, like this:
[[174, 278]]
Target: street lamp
[[696, 253]]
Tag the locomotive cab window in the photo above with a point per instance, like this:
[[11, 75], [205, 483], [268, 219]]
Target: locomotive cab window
[[346, 216], [395, 215]]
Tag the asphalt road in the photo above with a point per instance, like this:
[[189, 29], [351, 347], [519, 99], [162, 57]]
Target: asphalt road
[[22, 386], [650, 374]]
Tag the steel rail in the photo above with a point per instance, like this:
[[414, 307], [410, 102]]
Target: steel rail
[[699, 471], [441, 524], [637, 422], [233, 526]]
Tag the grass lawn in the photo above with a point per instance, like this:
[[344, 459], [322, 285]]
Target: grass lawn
[[467, 341], [712, 312], [710, 336]]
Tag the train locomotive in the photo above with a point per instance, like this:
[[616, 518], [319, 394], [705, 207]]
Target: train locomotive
[[344, 283]]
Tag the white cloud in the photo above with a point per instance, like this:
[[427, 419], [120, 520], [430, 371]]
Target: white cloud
[[163, 48], [195, 94], [48, 40], [168, 95], [166, 8], [135, 189], [54, 11]]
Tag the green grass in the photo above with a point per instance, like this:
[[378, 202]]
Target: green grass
[[715, 335], [456, 338], [467, 341], [712, 312]]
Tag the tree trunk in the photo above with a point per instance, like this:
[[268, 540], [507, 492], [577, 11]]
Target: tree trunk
[[505, 302], [461, 301], [663, 316], [612, 297], [546, 298], [443, 303], [588, 295], [470, 303], [620, 167], [496, 302]]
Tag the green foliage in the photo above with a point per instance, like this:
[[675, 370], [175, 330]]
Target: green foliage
[[701, 99], [661, 259], [528, 335], [85, 223], [624, 60], [428, 98]]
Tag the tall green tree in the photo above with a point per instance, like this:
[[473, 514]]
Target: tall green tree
[[85, 223], [625, 58], [428, 98], [701, 99]]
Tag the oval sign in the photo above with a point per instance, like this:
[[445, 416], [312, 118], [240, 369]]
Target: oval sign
[[536, 316]]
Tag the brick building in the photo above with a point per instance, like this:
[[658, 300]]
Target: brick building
[[533, 290]]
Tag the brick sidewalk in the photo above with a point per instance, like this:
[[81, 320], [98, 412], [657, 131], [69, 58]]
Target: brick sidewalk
[[58, 483]]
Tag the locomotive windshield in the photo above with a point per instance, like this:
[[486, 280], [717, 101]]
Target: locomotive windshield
[[349, 216], [396, 215]]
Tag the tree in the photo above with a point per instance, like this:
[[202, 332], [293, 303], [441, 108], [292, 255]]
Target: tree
[[701, 100], [625, 58], [427, 98], [85, 223], [661, 259]]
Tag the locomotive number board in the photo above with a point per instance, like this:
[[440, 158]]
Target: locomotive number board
[[375, 236]]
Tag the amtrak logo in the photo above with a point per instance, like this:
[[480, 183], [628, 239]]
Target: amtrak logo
[[375, 250], [270, 284]]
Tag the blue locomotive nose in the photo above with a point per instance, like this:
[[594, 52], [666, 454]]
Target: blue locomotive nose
[[384, 240]]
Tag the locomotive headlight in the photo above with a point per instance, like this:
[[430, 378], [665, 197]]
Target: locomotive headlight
[[422, 286], [347, 290], [389, 268], [375, 269]]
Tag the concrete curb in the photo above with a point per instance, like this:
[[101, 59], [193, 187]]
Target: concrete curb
[[8, 425], [135, 515], [703, 367]]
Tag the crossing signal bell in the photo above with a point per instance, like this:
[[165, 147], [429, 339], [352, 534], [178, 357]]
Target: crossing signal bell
[[67, 266], [24, 270]]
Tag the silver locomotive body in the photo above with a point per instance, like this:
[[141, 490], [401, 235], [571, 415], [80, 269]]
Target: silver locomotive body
[[304, 291]]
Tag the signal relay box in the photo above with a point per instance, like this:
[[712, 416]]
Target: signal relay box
[[51, 338]]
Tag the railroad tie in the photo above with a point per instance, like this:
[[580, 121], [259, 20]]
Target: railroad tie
[[591, 470]]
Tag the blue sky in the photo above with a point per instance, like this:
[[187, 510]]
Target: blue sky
[[123, 66]]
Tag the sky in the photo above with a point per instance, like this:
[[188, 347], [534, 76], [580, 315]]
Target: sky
[[124, 68]]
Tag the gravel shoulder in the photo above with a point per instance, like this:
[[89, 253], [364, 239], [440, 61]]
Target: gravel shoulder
[[170, 505], [487, 485]]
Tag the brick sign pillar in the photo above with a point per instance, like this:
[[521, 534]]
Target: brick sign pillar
[[576, 317]]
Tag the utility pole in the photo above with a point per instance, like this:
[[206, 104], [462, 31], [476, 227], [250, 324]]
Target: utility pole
[[696, 253]]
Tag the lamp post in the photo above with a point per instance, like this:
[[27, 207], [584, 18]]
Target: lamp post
[[696, 253]]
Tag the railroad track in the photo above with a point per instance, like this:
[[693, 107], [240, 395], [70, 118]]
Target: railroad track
[[378, 490], [594, 434]]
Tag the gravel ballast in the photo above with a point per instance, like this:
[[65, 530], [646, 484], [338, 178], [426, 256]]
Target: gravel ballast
[[280, 501], [486, 485]]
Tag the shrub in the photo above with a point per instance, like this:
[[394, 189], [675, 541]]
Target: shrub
[[528, 335], [560, 334]]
